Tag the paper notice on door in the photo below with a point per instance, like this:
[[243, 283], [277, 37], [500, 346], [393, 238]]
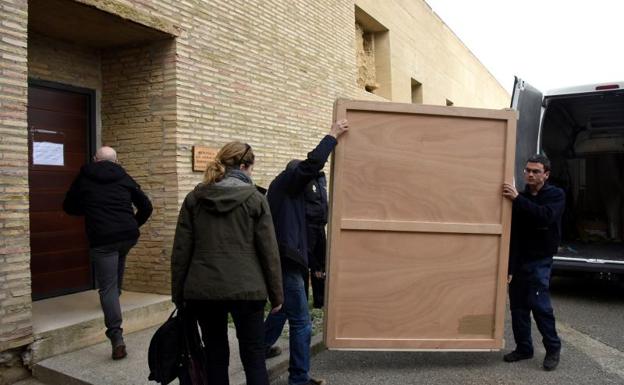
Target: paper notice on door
[[48, 154]]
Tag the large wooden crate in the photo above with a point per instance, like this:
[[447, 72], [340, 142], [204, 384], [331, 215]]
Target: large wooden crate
[[419, 230]]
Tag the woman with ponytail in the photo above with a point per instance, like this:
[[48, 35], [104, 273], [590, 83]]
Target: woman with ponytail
[[225, 260]]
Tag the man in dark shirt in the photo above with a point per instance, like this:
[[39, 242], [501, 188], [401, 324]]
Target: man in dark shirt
[[286, 198], [316, 219], [104, 193], [535, 237]]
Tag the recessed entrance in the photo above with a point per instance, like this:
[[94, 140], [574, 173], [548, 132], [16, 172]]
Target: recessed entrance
[[120, 65]]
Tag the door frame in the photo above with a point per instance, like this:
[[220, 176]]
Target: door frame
[[91, 148]]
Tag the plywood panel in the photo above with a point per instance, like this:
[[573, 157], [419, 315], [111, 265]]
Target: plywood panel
[[419, 230], [419, 165]]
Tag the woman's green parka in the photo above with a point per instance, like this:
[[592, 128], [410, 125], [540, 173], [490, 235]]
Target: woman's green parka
[[226, 241]]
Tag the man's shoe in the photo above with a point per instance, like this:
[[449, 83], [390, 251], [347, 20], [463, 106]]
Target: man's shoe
[[119, 352], [516, 356], [316, 381], [551, 361], [273, 351]]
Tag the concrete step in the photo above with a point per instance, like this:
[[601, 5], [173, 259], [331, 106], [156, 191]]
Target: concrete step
[[93, 365], [71, 322], [29, 381]]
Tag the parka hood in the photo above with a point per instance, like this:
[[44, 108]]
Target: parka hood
[[103, 171], [223, 198]]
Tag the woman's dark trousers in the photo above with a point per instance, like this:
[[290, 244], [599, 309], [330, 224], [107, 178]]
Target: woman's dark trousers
[[248, 317]]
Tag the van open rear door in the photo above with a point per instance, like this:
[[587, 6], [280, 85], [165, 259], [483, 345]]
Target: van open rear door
[[527, 100]]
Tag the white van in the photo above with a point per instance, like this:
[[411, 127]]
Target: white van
[[581, 130]]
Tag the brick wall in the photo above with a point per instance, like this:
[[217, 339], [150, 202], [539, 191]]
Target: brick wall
[[15, 302], [423, 48], [265, 72], [62, 62], [139, 121]]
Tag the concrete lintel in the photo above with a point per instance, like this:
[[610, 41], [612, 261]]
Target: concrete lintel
[[17, 342], [131, 14]]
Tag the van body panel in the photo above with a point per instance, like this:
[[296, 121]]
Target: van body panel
[[587, 88], [527, 100]]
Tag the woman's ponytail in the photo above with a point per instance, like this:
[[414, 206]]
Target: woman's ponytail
[[215, 171], [232, 155]]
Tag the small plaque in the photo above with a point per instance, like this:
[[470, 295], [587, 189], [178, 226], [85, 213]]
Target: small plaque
[[201, 156]]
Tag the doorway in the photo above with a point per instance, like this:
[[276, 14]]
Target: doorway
[[61, 138]]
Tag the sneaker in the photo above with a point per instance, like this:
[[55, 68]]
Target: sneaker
[[273, 351], [551, 361], [119, 352], [516, 356], [316, 381]]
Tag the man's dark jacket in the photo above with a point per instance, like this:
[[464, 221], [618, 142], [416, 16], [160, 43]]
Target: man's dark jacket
[[535, 226], [316, 201], [316, 218], [287, 202], [104, 193]]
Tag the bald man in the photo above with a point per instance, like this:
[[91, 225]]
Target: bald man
[[105, 153], [105, 194]]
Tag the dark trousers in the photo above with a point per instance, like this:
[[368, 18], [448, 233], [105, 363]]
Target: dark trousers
[[248, 317], [529, 293], [109, 262], [317, 243]]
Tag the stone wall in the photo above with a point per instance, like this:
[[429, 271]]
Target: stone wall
[[425, 49], [139, 121], [15, 301], [62, 62]]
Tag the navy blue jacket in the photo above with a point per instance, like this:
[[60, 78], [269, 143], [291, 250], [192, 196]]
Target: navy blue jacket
[[535, 226], [286, 198], [316, 201]]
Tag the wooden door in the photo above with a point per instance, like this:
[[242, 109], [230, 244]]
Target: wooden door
[[59, 125], [419, 230]]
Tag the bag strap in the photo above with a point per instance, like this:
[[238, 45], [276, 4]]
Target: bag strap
[[192, 200]]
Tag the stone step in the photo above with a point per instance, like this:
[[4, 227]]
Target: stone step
[[71, 322], [93, 365], [29, 381]]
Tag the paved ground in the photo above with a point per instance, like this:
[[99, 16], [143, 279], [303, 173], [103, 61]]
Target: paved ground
[[590, 321], [93, 366], [591, 324], [592, 307]]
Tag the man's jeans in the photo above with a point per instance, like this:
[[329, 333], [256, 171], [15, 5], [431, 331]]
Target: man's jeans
[[529, 293], [109, 262], [295, 310]]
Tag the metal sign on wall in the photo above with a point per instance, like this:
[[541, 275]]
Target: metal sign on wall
[[201, 156]]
